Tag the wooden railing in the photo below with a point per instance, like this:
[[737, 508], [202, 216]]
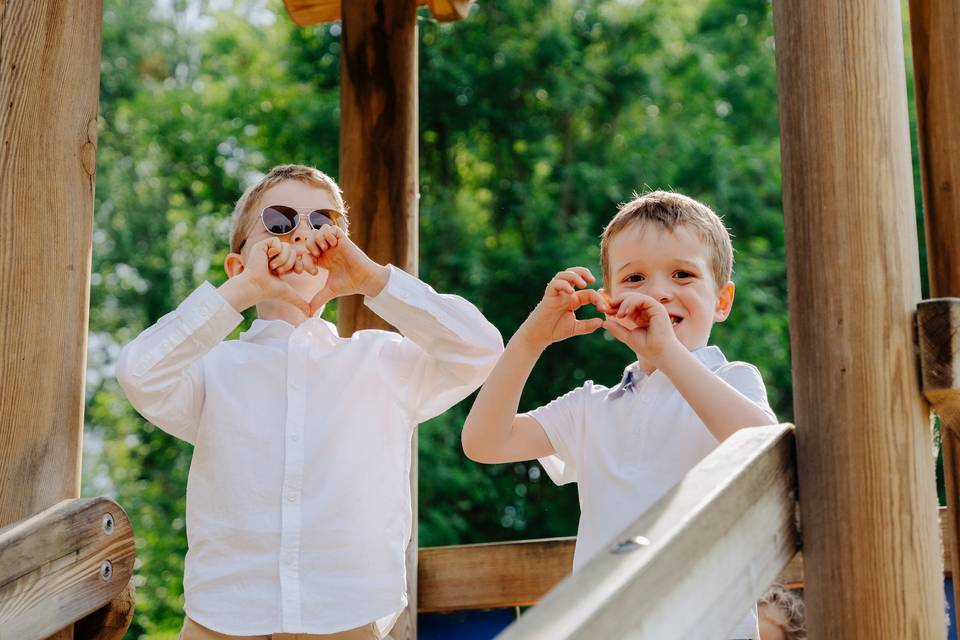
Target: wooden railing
[[63, 564], [696, 560]]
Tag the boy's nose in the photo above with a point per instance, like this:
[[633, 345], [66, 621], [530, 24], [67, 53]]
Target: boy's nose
[[300, 233], [660, 291]]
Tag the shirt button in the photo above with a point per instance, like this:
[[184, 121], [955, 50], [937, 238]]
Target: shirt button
[[291, 497], [294, 437]]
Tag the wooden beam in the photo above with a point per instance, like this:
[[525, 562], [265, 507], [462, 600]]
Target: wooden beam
[[934, 27], [517, 574], [378, 174], [869, 503], [310, 12], [698, 559], [62, 564], [489, 576]]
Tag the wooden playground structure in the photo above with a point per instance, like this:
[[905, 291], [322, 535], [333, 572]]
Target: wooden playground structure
[[854, 481]]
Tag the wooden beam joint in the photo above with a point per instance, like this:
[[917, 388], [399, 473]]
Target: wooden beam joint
[[63, 564]]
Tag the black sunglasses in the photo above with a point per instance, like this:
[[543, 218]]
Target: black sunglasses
[[280, 219]]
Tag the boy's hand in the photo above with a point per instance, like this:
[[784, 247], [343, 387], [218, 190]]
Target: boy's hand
[[350, 269], [268, 260], [641, 323], [554, 318]]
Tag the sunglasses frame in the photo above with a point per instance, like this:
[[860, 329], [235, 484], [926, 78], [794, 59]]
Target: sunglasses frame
[[334, 215]]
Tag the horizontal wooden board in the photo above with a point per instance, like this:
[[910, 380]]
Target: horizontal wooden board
[[62, 564]]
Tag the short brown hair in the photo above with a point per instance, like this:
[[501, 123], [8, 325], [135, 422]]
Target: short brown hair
[[244, 218], [670, 209]]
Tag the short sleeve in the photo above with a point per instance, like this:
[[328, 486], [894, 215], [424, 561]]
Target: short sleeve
[[564, 422], [746, 379]]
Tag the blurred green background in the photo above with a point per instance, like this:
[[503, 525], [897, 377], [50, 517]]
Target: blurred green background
[[537, 118]]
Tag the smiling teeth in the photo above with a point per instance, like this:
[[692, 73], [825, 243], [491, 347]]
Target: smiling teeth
[[675, 321]]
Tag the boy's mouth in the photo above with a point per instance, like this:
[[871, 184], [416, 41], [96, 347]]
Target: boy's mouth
[[675, 320]]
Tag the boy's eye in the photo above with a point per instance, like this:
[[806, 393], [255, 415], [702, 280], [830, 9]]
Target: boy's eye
[[634, 277], [684, 274]]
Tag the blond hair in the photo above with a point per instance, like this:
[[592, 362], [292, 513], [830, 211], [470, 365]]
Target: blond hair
[[244, 216], [669, 210], [786, 610]]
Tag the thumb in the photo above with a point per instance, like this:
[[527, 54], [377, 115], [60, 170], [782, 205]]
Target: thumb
[[286, 293], [618, 330], [322, 297], [583, 327]]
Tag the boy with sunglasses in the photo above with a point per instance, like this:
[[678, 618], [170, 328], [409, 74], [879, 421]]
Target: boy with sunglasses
[[298, 498], [666, 262]]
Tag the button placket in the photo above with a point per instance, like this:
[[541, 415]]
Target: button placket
[[292, 485]]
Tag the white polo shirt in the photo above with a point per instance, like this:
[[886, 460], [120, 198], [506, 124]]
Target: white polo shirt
[[298, 498], [627, 446]]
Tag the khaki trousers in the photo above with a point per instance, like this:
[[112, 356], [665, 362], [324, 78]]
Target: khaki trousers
[[195, 631]]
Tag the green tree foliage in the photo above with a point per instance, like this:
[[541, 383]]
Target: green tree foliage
[[536, 119]]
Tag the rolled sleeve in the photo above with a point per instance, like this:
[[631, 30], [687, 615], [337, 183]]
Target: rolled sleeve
[[160, 370], [449, 350]]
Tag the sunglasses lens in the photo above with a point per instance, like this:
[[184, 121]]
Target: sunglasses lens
[[321, 217], [279, 219]]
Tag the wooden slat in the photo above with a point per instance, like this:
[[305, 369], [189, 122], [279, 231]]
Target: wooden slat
[[868, 503], [310, 12], [62, 564], [706, 551], [488, 576]]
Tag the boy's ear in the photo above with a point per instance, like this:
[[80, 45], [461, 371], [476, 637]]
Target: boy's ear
[[233, 265], [724, 302]]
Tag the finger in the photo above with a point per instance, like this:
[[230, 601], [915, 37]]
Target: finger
[[557, 286], [298, 263], [330, 235], [584, 273], [313, 242], [277, 262], [585, 296], [582, 327], [572, 277], [310, 265], [273, 247], [290, 258], [616, 329]]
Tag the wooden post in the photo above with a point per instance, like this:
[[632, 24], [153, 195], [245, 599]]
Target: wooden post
[[868, 505], [49, 80], [934, 28], [378, 172], [49, 83]]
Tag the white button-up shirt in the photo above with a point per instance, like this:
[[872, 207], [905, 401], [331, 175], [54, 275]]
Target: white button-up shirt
[[298, 498], [627, 446]]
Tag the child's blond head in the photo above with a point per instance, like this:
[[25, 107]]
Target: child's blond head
[[246, 213], [784, 609], [669, 210]]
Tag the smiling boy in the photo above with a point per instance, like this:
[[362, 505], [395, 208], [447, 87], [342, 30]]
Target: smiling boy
[[298, 498], [667, 261]]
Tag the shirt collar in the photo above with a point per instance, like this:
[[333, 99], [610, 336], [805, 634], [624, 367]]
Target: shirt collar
[[711, 357], [264, 330]]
